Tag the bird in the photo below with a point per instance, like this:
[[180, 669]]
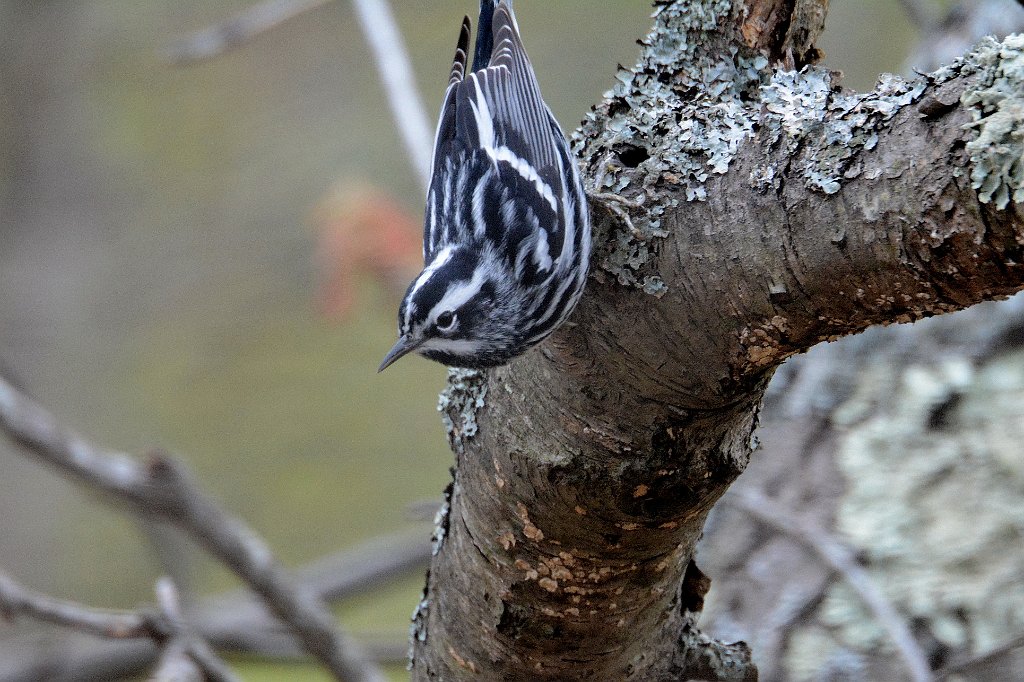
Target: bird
[[506, 235]]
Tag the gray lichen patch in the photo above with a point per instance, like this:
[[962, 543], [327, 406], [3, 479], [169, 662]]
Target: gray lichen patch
[[716, 660], [679, 117], [442, 519], [805, 110], [930, 439], [627, 253], [684, 112], [997, 101], [418, 627], [654, 286], [459, 403]]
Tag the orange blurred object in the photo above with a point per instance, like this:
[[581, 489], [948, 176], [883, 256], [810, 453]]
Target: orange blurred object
[[361, 229]]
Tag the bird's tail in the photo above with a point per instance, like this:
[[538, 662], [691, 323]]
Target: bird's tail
[[484, 36]]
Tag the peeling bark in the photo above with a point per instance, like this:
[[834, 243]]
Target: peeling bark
[[586, 469]]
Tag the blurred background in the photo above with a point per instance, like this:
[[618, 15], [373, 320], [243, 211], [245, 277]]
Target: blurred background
[[187, 260]]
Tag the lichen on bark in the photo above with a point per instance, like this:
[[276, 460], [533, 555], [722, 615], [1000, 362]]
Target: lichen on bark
[[459, 402], [997, 101], [606, 447], [674, 131], [936, 438], [806, 110]]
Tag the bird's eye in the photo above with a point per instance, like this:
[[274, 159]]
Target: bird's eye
[[446, 321]]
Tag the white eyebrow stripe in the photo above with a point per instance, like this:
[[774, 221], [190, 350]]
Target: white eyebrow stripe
[[442, 257], [410, 309], [458, 294]]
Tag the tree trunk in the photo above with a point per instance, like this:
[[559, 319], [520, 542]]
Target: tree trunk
[[767, 211]]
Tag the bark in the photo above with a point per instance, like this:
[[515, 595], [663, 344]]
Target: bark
[[770, 211], [939, 396]]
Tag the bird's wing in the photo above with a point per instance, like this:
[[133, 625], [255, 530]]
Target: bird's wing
[[443, 141], [501, 105]]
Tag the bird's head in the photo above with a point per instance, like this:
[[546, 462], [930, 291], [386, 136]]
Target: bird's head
[[452, 313]]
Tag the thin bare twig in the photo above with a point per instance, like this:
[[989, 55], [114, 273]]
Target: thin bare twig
[[842, 559], [232, 32], [234, 621], [399, 82], [795, 602], [183, 650], [920, 12], [17, 600], [162, 488], [382, 35], [175, 664], [967, 664]]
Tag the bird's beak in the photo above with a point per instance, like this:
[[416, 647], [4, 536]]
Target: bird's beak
[[403, 346]]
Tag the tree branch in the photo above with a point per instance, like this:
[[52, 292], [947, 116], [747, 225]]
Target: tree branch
[[841, 559], [239, 29], [234, 621], [920, 12], [161, 488], [396, 75], [183, 650], [779, 212], [382, 35], [841, 212], [16, 601], [969, 663]]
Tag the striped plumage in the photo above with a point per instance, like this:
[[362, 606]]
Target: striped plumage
[[506, 239]]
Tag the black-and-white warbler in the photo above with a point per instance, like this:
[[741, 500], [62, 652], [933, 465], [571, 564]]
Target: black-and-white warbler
[[506, 238]]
